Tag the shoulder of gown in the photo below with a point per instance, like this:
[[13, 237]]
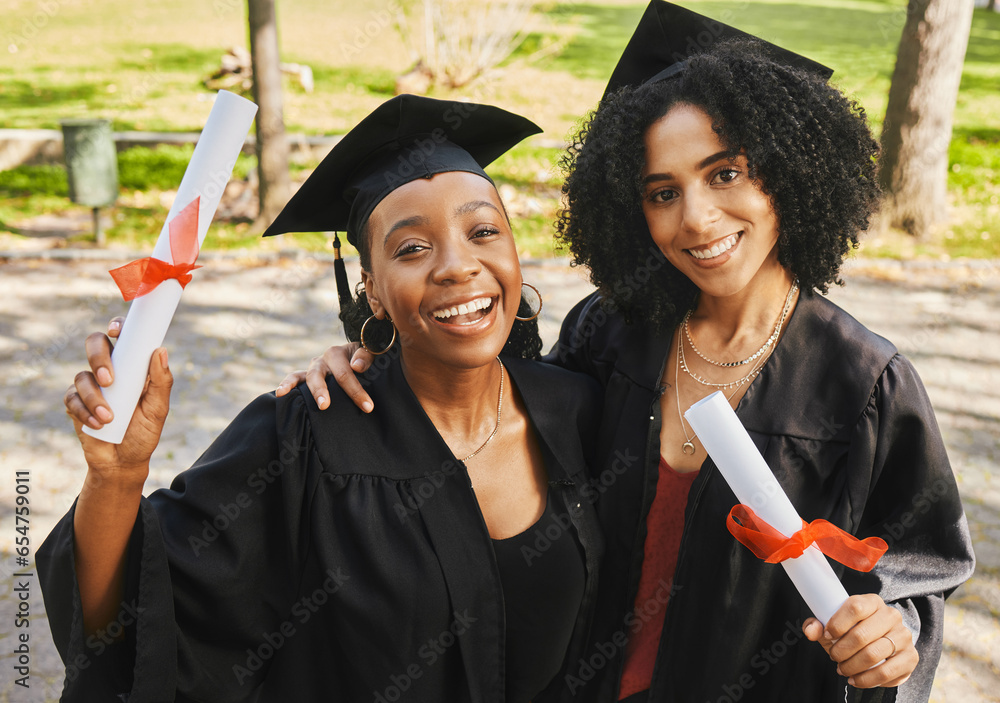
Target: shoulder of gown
[[223, 508], [596, 340], [557, 400], [820, 377]]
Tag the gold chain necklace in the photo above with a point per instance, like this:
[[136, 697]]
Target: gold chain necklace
[[770, 340], [688, 446], [721, 386], [499, 410], [753, 372]]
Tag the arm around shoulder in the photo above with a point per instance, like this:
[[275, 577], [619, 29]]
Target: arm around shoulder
[[572, 351]]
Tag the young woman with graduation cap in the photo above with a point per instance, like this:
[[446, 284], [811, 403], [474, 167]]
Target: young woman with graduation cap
[[727, 173], [344, 556]]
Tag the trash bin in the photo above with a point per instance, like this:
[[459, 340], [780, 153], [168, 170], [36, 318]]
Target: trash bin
[[91, 165]]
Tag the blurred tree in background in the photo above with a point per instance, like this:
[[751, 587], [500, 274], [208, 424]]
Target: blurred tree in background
[[919, 117], [274, 183]]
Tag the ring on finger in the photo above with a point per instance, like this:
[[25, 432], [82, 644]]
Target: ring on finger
[[893, 646]]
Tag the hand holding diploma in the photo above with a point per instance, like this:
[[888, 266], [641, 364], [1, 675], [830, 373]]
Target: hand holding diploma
[[109, 500], [868, 641], [862, 634], [127, 462], [155, 283]]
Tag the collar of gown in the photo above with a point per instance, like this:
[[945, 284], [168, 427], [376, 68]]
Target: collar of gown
[[403, 441], [792, 395]]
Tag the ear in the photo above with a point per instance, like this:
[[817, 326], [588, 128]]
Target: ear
[[373, 299]]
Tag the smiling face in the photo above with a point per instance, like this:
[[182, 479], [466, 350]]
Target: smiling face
[[708, 217], [445, 269]]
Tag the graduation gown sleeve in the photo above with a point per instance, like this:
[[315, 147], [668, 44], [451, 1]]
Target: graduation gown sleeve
[[911, 501], [212, 564]]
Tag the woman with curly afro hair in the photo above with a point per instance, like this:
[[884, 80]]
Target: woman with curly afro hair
[[799, 141], [710, 207], [713, 195]]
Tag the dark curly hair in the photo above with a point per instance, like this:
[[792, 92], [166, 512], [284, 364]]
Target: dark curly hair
[[523, 342], [807, 145]]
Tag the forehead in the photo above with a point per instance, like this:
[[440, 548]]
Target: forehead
[[439, 194], [682, 137]]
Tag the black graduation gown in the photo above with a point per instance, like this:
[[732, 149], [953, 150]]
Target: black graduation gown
[[323, 556], [845, 425]]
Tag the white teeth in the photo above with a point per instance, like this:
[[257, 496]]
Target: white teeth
[[463, 309], [720, 248]]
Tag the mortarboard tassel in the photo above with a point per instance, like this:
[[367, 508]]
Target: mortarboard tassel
[[340, 274]]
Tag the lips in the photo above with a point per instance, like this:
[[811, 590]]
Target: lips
[[465, 313], [717, 249]]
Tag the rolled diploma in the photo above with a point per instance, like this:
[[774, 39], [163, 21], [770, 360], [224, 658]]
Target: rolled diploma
[[734, 453], [149, 316]]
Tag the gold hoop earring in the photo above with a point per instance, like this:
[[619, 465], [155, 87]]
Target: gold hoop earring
[[391, 342], [534, 313]]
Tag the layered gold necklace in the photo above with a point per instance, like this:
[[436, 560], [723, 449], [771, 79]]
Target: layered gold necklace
[[760, 356]]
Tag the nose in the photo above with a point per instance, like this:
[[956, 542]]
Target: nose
[[699, 210], [455, 262]]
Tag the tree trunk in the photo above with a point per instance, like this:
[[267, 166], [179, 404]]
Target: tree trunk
[[272, 145], [992, 5], [918, 121]]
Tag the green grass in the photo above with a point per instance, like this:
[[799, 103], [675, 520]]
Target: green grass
[[136, 220], [601, 33], [974, 180], [163, 167], [139, 168], [143, 65], [40, 181], [378, 81], [528, 165], [39, 95]]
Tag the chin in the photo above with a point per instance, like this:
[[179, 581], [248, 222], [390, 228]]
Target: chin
[[718, 284], [727, 281], [467, 355]]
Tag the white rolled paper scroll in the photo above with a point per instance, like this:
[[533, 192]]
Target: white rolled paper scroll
[[734, 453], [149, 316]]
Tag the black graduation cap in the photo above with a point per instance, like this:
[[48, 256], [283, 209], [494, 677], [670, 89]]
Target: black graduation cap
[[406, 138], [668, 34]]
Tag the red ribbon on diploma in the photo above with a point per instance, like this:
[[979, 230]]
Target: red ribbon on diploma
[[773, 547], [144, 275]]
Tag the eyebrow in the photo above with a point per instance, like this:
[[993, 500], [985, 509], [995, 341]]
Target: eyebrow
[[704, 163], [474, 205], [415, 221]]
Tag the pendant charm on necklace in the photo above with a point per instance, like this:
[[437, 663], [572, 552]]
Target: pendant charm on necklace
[[687, 447]]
